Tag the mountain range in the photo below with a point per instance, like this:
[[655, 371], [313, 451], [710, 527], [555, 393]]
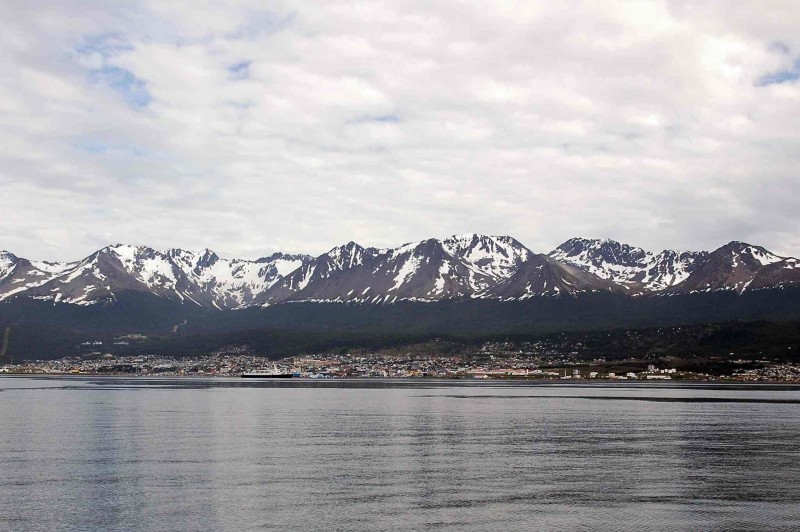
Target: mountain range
[[464, 286], [460, 267]]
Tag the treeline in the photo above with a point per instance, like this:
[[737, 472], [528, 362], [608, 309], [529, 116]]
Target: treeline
[[703, 344], [592, 325]]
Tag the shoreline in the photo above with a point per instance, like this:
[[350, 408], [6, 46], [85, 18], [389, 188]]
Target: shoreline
[[662, 383]]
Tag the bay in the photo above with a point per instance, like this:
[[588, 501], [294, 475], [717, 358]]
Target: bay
[[83, 453]]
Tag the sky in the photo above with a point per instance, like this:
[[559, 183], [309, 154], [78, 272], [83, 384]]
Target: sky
[[255, 127]]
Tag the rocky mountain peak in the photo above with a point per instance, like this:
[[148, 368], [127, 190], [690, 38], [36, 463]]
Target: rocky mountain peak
[[745, 251], [599, 252], [347, 255], [7, 262], [207, 258], [457, 267]]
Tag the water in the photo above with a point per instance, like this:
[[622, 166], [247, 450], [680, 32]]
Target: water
[[222, 454]]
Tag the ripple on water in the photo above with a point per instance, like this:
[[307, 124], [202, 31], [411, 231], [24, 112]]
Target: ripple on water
[[189, 454]]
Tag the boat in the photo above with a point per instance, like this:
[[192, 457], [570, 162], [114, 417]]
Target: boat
[[266, 375], [274, 373]]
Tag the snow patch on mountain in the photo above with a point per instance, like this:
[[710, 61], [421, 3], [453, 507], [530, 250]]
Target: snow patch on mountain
[[757, 253], [201, 278], [429, 270], [457, 267], [439, 284], [408, 268], [236, 282], [628, 265], [495, 256], [8, 262]]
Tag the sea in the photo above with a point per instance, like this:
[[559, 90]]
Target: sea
[[106, 453]]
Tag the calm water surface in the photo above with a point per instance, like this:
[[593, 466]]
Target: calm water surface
[[222, 454]]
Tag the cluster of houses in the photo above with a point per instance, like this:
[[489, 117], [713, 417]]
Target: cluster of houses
[[236, 362]]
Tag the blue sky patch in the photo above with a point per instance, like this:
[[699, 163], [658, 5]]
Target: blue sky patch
[[97, 147], [781, 76], [101, 71], [131, 88], [240, 70], [106, 44], [385, 118]]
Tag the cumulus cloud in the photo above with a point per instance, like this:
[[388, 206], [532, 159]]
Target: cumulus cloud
[[301, 126]]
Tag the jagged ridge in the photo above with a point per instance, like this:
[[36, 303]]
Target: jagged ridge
[[458, 267], [199, 278]]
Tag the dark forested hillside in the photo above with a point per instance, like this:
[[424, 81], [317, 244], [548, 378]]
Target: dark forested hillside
[[44, 329]]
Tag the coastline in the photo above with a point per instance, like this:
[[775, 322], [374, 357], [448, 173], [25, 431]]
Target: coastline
[[639, 383]]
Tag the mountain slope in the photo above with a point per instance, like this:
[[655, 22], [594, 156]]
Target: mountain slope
[[739, 266], [201, 279], [430, 270], [544, 276], [234, 282], [102, 275], [18, 275], [633, 267], [496, 256]]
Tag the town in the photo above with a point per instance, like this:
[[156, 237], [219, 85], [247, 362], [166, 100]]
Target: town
[[491, 361]]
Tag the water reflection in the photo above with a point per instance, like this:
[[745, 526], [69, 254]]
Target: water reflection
[[304, 455]]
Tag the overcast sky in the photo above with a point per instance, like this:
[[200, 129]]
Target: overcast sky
[[253, 127]]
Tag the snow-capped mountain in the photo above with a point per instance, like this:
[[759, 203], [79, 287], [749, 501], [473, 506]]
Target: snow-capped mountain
[[7, 263], [234, 282], [198, 278], [321, 270], [670, 268], [431, 270], [103, 275], [632, 267], [740, 266], [497, 256], [18, 275], [735, 266], [541, 275], [471, 266]]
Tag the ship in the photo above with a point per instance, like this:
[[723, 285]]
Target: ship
[[274, 373]]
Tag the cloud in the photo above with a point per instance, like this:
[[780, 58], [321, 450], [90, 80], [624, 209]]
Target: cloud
[[663, 124]]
